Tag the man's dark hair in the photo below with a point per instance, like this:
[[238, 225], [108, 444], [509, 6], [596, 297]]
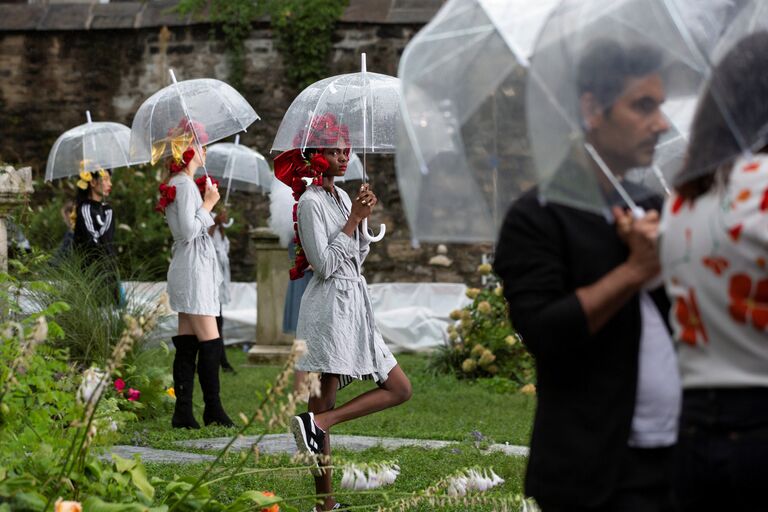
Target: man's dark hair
[[606, 66], [739, 87]]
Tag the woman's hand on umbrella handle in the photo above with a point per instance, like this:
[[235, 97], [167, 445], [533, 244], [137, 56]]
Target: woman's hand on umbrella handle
[[211, 196], [363, 205]]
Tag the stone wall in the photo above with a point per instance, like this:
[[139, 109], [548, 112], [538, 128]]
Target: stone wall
[[57, 61]]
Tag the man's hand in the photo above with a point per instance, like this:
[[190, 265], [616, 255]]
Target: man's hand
[[641, 236]]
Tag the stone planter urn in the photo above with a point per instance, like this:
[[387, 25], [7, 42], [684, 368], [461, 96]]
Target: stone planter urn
[[15, 184]]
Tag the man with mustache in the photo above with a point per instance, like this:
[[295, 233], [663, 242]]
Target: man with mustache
[[578, 288]]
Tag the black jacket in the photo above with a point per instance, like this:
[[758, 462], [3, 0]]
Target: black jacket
[[586, 384], [95, 229]]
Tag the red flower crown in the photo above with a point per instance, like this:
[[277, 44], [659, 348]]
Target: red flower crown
[[293, 169]]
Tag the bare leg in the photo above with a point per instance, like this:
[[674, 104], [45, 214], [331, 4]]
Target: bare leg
[[202, 326], [393, 391], [317, 404]]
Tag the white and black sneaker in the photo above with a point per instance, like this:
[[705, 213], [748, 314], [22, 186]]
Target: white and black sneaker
[[309, 437]]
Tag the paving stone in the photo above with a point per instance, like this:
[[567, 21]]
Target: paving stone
[[154, 455], [284, 443]]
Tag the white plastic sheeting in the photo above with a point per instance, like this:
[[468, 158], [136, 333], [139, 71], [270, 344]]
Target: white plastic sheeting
[[411, 316]]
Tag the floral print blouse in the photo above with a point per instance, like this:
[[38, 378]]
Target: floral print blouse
[[713, 255]]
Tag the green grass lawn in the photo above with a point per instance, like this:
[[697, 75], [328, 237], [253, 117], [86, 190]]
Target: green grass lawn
[[442, 407]]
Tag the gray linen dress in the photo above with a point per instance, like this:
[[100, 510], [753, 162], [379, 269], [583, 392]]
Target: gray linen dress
[[221, 244], [336, 316], [194, 276]]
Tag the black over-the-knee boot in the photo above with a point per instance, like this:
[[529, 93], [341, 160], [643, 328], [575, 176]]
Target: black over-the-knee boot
[[208, 364], [184, 380]]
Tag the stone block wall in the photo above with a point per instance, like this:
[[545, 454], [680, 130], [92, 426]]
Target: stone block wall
[[57, 61]]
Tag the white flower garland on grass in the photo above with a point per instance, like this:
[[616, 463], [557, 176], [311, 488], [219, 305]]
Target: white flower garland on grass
[[369, 476]]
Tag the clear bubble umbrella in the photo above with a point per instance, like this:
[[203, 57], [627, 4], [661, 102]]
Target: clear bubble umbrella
[[89, 147], [354, 171], [461, 158], [239, 167], [573, 48], [187, 113], [732, 117], [368, 104]]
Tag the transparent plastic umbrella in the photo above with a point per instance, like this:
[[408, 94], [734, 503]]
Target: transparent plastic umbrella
[[368, 104], [239, 168], [461, 159], [582, 31], [204, 103], [89, 147], [746, 131], [354, 172]]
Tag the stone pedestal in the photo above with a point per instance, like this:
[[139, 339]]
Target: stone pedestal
[[14, 185], [272, 265]]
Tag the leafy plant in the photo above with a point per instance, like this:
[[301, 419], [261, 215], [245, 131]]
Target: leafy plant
[[303, 30], [482, 341]]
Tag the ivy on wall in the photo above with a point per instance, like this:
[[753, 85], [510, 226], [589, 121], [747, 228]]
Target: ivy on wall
[[303, 30]]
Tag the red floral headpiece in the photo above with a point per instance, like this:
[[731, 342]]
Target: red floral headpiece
[[296, 171]]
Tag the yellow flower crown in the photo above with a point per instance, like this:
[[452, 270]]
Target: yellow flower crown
[[87, 176]]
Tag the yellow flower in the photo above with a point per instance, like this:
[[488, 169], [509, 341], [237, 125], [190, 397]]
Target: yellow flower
[[487, 358], [67, 506], [478, 350], [499, 291], [484, 307], [469, 365], [453, 336], [466, 323], [485, 269], [451, 328], [528, 389], [472, 293], [466, 315], [459, 347], [511, 340], [171, 392], [493, 369], [455, 314]]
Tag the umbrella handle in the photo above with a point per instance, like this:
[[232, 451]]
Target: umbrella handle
[[638, 212], [376, 238], [228, 223]]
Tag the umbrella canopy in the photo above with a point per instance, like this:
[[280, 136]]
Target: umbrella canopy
[[587, 53], [239, 167], [363, 108], [366, 103], [205, 104], [732, 117], [460, 161], [89, 147]]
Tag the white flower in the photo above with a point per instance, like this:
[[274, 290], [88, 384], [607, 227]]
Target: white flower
[[347, 479], [362, 477], [92, 386], [472, 480], [361, 482], [113, 426]]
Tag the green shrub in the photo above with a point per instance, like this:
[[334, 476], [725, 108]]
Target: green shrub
[[482, 342]]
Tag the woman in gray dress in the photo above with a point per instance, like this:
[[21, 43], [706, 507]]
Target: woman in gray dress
[[336, 316], [194, 279]]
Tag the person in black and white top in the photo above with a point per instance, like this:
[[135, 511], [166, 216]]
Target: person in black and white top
[[94, 232]]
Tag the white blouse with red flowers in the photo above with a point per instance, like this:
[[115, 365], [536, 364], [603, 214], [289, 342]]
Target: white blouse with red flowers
[[713, 256]]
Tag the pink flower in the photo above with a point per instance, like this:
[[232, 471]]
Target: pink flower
[[119, 385], [133, 394]]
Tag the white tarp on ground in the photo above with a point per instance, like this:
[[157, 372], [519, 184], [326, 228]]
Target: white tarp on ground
[[410, 316]]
